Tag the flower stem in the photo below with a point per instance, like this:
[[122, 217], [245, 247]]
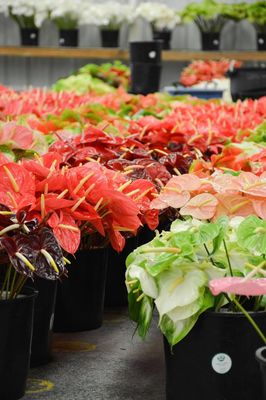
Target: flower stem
[[228, 259], [251, 320]]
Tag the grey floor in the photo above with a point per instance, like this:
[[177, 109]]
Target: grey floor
[[105, 364]]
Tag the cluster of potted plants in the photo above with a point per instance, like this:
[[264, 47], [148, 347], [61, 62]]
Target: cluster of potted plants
[[81, 174], [211, 16], [206, 278]]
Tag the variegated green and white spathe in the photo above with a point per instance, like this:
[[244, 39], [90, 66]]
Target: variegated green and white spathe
[[173, 271]]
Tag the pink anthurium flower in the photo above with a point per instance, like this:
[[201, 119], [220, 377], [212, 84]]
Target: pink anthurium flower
[[202, 206], [17, 136], [239, 286], [252, 184], [173, 195], [260, 208]]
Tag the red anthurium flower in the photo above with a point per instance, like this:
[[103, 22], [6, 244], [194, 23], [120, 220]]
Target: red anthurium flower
[[4, 159], [17, 186], [66, 231]]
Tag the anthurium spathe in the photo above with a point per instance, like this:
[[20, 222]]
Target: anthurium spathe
[[176, 265], [180, 266], [215, 195], [239, 286], [16, 136], [17, 186], [30, 249]]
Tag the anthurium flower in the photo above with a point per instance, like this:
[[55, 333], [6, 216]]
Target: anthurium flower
[[239, 286], [17, 186], [66, 231], [16, 136], [202, 206]]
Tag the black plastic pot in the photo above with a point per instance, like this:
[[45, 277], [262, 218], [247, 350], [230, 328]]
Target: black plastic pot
[[164, 36], [41, 349], [146, 52], [210, 41], [29, 37], [216, 360], [15, 342], [261, 41], [145, 78], [248, 82], [80, 297], [68, 37], [116, 292], [261, 357], [110, 37]]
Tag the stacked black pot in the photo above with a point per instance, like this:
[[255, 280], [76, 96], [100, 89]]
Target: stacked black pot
[[146, 66]]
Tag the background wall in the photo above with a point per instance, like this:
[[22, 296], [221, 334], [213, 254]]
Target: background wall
[[23, 72]]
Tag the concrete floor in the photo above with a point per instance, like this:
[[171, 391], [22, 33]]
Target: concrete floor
[[105, 364]]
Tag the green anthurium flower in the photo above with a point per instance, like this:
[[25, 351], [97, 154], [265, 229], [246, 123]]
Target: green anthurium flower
[[179, 287], [176, 331], [147, 283], [251, 235], [145, 316]]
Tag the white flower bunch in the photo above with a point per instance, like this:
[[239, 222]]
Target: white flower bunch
[[110, 14], [159, 15], [25, 11], [68, 9]]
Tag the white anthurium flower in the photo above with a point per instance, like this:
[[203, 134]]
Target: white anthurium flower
[[181, 313], [159, 15], [184, 226], [110, 14], [234, 224], [179, 287], [39, 10], [147, 283]]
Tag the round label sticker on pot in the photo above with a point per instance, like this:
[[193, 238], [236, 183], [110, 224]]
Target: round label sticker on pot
[[221, 363]]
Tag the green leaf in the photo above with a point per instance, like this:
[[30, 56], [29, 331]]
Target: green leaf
[[207, 232], [145, 316], [222, 223], [133, 307], [163, 261], [251, 235]]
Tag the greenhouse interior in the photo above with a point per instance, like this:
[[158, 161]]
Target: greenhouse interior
[[132, 200]]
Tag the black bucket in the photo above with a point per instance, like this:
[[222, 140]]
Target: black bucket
[[15, 343], [215, 361], [146, 52], [110, 37], [261, 41], [261, 357], [164, 36], [248, 82], [68, 37], [145, 78], [80, 297], [29, 37], [210, 41], [116, 292], [41, 349]]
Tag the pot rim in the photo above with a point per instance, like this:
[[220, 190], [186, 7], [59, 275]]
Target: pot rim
[[235, 314], [259, 354], [27, 293]]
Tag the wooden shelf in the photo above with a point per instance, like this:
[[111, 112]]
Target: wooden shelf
[[104, 53]]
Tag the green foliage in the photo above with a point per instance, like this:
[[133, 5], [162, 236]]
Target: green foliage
[[259, 134], [172, 272], [256, 14]]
